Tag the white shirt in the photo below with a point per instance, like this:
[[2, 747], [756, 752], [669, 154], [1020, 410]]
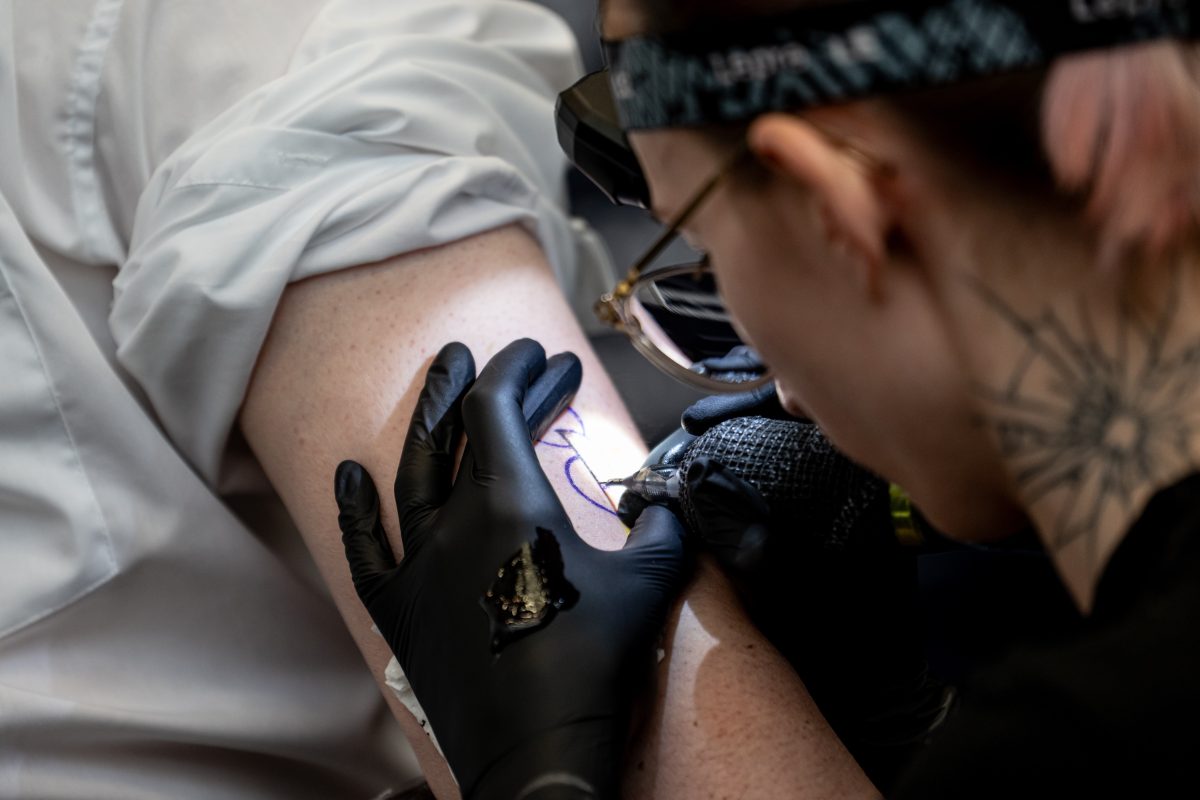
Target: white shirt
[[166, 170]]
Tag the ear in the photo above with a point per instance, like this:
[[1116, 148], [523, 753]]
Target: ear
[[853, 205]]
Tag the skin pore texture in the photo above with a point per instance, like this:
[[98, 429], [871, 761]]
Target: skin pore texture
[[337, 380], [959, 333]]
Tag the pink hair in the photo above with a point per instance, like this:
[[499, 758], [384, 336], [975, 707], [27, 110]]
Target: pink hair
[[1122, 127]]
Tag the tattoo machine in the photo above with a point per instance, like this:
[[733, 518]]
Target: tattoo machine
[[794, 467]]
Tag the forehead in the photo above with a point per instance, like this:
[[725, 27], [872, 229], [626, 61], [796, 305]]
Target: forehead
[[677, 164], [622, 18]]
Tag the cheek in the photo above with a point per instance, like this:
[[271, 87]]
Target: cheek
[[768, 290], [763, 253], [806, 316], [745, 291], [752, 281], [788, 400]]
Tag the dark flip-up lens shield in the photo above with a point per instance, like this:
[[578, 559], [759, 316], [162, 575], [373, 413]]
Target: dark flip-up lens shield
[[590, 133]]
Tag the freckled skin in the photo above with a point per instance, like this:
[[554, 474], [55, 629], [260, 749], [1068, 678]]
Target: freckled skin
[[356, 404]]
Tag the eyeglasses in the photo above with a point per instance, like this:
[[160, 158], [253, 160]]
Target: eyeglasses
[[674, 315], [812, 57]]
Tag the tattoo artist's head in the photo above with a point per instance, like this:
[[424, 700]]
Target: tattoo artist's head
[[869, 251]]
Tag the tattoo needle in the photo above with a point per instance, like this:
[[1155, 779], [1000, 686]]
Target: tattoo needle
[[655, 484]]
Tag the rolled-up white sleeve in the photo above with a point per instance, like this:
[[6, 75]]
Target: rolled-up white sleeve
[[396, 126]]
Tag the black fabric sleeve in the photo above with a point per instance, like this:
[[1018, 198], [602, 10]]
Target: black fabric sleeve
[[1110, 710]]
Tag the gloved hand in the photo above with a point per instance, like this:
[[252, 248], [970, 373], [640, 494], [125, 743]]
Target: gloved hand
[[739, 364], [709, 411], [525, 646]]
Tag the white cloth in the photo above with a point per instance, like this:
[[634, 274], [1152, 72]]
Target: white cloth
[[166, 169]]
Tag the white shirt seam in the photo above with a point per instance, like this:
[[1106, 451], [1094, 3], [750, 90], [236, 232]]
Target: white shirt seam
[[102, 522], [79, 126]]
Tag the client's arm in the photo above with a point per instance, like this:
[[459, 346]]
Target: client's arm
[[337, 380]]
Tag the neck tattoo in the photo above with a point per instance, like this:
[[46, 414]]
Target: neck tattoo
[[1092, 421]]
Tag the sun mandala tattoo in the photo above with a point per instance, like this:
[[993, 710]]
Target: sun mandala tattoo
[[1088, 420]]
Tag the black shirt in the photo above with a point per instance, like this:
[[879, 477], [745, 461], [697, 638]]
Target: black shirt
[[1110, 710]]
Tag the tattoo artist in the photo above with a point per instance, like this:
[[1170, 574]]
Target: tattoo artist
[[986, 291]]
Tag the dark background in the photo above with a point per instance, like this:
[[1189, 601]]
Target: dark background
[[654, 399]]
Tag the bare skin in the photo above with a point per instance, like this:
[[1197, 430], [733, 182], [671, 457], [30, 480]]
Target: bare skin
[[1079, 400], [755, 750], [1094, 404], [338, 379]]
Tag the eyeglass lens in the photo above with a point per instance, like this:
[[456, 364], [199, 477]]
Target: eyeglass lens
[[679, 313]]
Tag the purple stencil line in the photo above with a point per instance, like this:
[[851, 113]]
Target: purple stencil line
[[582, 431], [579, 491]]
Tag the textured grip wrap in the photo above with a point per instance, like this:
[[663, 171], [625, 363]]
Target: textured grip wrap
[[805, 481]]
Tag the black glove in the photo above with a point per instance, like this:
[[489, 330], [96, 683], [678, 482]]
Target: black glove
[[525, 646], [739, 364], [707, 412]]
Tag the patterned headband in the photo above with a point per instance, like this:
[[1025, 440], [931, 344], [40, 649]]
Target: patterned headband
[[733, 71]]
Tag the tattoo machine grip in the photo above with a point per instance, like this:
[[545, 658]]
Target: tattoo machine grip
[[807, 484]]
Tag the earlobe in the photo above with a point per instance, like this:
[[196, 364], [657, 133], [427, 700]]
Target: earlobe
[[854, 213]]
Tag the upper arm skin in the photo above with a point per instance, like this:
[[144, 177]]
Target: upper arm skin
[[338, 378]]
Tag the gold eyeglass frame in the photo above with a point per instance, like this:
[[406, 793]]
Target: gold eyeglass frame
[[613, 308]]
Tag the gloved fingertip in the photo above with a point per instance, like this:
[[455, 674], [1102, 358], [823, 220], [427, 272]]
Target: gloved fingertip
[[694, 420], [455, 363], [454, 352], [630, 507], [551, 393], [567, 370], [349, 482], [449, 373], [504, 379], [716, 480], [702, 469], [657, 526], [528, 342], [567, 360], [524, 351]]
